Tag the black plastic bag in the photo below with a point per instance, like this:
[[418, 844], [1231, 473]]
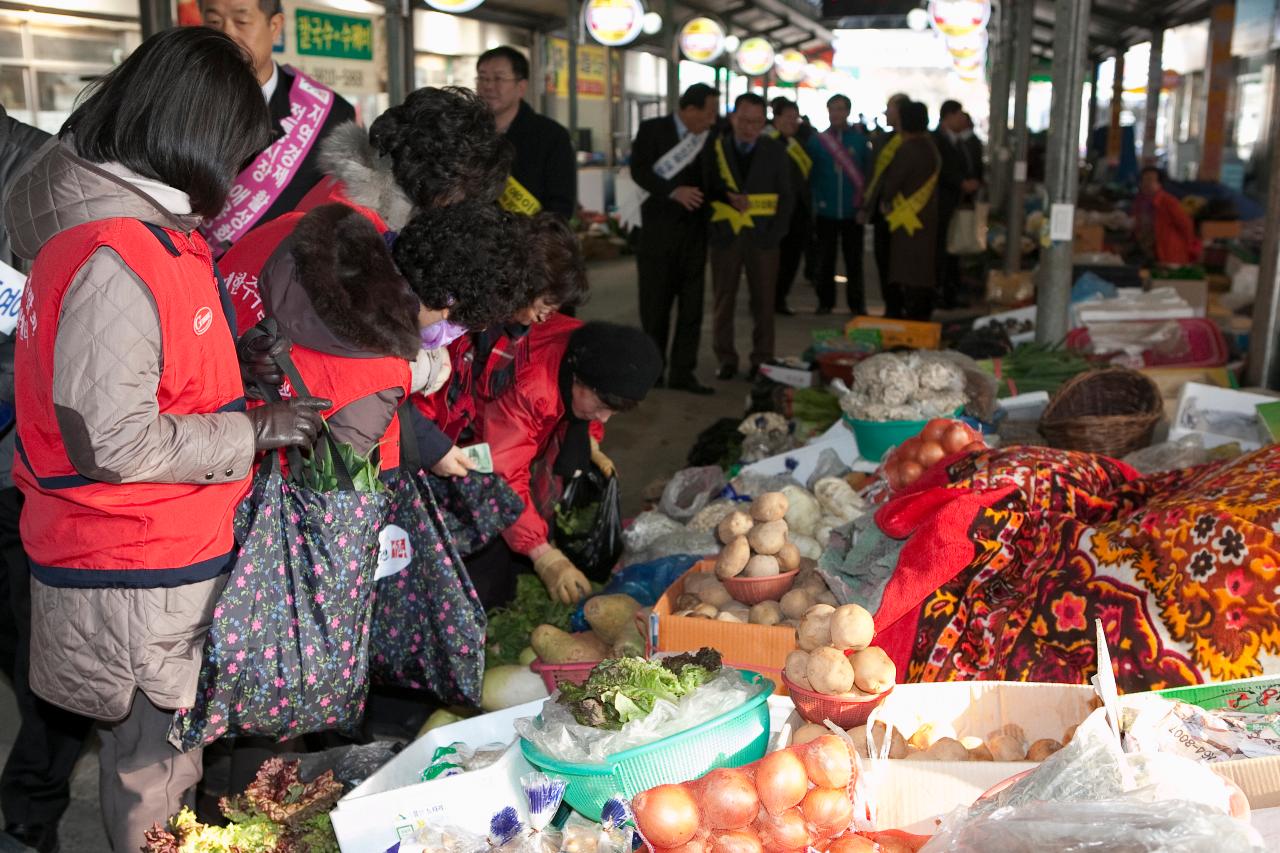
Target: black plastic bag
[[588, 523]]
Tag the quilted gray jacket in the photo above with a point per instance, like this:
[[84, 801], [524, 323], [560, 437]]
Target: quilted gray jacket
[[92, 648]]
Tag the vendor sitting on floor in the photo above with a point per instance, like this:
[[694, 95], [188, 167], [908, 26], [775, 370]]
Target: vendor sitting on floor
[[547, 428], [1163, 229]]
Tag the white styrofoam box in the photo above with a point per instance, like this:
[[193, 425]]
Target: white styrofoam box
[[1223, 402], [838, 438], [1025, 407], [795, 377], [1027, 313], [392, 803]]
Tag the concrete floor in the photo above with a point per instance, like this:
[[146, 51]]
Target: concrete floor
[[647, 445]]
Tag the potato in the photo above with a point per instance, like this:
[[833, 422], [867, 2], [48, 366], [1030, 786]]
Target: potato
[[735, 524], [761, 566], [795, 602], [825, 597], [1006, 748], [1013, 730], [697, 581], [788, 557], [716, 596], [684, 613], [815, 627], [687, 601], [555, 646], [729, 616], [980, 753], [797, 668], [874, 672], [709, 611], [897, 743], [768, 537], [929, 734], [766, 613], [829, 671], [914, 754], [790, 623], [770, 506], [1068, 735], [733, 558], [971, 742], [947, 749], [851, 627], [808, 732], [1042, 749]]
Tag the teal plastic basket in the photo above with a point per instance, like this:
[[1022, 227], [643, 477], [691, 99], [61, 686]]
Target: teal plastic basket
[[732, 739], [875, 438]]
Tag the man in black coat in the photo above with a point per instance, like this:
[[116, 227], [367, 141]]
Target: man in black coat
[[672, 256], [544, 175], [256, 24], [792, 132], [748, 178], [958, 180]]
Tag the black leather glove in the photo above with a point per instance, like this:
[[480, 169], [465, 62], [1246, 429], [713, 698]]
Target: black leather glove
[[257, 354], [287, 423]]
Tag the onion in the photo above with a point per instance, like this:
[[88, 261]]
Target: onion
[[910, 471], [852, 844], [828, 810], [935, 429], [930, 453], [892, 474], [697, 845], [828, 763], [975, 447], [728, 798], [781, 781], [666, 815], [956, 438], [787, 831], [738, 841]]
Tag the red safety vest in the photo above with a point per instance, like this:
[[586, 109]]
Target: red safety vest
[[82, 532]]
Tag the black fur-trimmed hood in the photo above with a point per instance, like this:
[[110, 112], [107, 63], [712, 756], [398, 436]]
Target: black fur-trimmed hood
[[334, 287], [345, 153]]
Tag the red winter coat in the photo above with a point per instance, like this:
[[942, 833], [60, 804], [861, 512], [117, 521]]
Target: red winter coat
[[1175, 234], [524, 428], [457, 408]]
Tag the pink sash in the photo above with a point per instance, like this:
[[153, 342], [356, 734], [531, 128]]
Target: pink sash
[[836, 149], [261, 183]]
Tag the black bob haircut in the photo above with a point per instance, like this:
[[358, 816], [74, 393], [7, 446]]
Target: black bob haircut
[[696, 96], [460, 257], [781, 105], [750, 98], [837, 98], [184, 109], [444, 147], [270, 8], [948, 108], [519, 64], [914, 116], [556, 270]]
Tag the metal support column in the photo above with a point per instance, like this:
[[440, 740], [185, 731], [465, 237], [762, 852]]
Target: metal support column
[[399, 50], [1114, 134], [673, 57], [1221, 78], [1094, 70], [1155, 81], [155, 16], [1024, 16], [1070, 50], [998, 138], [1263, 365], [574, 27]]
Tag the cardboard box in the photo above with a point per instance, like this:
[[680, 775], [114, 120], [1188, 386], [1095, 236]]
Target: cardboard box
[[791, 375], [392, 803], [1213, 229], [1224, 408], [1269, 417], [900, 333], [1171, 380], [1088, 239], [760, 648], [1194, 291]]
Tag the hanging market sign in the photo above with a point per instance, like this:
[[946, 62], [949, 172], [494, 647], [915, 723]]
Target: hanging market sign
[[613, 23], [968, 47], [791, 66], [954, 18], [702, 39], [454, 6], [344, 52], [334, 36], [592, 70], [755, 57]]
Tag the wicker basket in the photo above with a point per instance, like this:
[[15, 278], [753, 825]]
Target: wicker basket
[[1112, 411]]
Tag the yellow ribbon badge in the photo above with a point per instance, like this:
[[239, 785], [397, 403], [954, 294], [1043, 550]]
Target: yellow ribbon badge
[[905, 212], [517, 199], [758, 204]]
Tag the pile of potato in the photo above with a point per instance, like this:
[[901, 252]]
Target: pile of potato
[[825, 635], [756, 543], [705, 597], [938, 742]]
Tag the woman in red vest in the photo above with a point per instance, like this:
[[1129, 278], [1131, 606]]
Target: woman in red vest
[[134, 447]]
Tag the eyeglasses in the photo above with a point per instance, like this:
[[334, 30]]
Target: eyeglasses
[[495, 81]]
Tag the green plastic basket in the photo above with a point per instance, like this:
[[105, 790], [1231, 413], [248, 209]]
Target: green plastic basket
[[732, 739], [875, 438]]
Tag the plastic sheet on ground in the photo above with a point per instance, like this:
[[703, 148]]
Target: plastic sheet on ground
[[690, 490], [555, 732]]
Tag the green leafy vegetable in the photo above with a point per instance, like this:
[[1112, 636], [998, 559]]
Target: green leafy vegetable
[[320, 474], [625, 689], [578, 520], [1036, 367], [510, 627]]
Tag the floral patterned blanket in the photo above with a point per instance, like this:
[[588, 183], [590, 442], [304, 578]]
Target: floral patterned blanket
[[1019, 550]]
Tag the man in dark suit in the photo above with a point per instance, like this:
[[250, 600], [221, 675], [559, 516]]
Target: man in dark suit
[[672, 256], [788, 129], [289, 168], [749, 186], [544, 175], [958, 180]]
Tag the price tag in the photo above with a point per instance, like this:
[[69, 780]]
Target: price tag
[[1020, 171], [1062, 222]]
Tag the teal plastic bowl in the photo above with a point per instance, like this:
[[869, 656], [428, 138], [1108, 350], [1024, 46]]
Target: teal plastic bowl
[[732, 739], [876, 437]]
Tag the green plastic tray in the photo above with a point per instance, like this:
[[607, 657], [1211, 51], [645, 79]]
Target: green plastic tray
[[732, 739]]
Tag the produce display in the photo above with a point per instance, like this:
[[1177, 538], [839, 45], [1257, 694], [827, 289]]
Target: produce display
[[619, 691], [511, 627], [835, 656], [911, 387], [940, 438], [706, 597], [940, 742], [1036, 367], [755, 542]]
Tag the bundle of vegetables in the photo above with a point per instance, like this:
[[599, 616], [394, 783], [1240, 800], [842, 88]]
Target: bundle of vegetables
[[910, 387], [1035, 367], [625, 689], [278, 813], [319, 471], [940, 438], [835, 654], [797, 798], [511, 627], [814, 409]]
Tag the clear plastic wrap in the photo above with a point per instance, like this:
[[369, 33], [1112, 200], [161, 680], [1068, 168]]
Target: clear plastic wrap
[[829, 465], [765, 434], [915, 386], [652, 536], [556, 733], [711, 515], [1185, 452], [690, 490]]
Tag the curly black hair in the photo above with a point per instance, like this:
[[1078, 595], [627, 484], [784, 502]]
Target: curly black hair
[[470, 258], [556, 270], [444, 147]]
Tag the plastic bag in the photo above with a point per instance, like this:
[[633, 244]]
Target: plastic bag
[[653, 536], [829, 464], [645, 582], [557, 734], [690, 490], [647, 528], [588, 523], [350, 764], [1185, 452], [710, 516]]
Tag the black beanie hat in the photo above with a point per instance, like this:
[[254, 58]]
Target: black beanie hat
[[621, 361]]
